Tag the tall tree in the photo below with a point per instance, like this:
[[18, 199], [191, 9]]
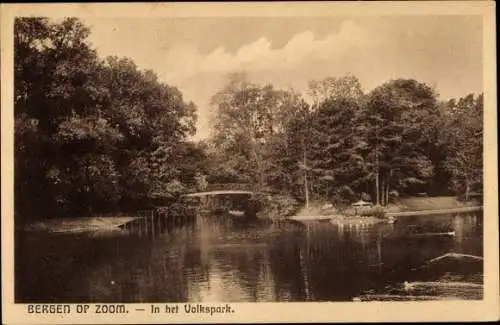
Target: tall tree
[[248, 117], [464, 140], [337, 150], [56, 94], [330, 97], [154, 120], [298, 137], [400, 117], [90, 135], [344, 87]]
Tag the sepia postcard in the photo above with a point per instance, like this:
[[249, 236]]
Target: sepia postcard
[[249, 162]]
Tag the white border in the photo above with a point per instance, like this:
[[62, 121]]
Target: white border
[[488, 309]]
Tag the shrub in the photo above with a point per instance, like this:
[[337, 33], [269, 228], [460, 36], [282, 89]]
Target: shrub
[[376, 211], [277, 205]]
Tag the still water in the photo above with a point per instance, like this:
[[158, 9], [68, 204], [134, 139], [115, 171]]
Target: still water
[[213, 261]]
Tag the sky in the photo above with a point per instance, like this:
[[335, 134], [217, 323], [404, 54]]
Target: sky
[[197, 54]]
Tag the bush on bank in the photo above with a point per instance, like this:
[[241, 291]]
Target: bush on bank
[[277, 206], [376, 211]]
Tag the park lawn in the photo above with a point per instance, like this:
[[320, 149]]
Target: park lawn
[[401, 205], [434, 203]]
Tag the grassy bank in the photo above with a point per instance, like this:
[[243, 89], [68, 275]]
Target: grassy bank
[[433, 212], [401, 206], [77, 225], [277, 206], [434, 203]]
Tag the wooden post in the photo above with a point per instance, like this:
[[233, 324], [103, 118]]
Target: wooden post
[[153, 225], [166, 217], [382, 192], [306, 186], [139, 226], [158, 221]]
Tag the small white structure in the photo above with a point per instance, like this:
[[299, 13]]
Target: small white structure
[[361, 206]]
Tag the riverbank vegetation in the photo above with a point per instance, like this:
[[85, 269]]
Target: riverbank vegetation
[[396, 141], [99, 135], [91, 134], [400, 205]]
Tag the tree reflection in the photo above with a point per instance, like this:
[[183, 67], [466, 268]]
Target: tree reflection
[[214, 260]]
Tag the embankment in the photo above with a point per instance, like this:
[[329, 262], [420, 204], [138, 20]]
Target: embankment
[[77, 225], [402, 207], [277, 206], [433, 203], [435, 211]]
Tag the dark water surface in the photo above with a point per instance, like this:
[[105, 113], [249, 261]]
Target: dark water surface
[[214, 261]]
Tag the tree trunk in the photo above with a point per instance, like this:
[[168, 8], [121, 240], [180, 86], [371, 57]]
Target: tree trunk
[[257, 148], [467, 189], [306, 186], [261, 168], [382, 197], [261, 178], [377, 186], [387, 191]]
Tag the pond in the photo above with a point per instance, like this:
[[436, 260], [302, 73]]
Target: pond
[[214, 260]]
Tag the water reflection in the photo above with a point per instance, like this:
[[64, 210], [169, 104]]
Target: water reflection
[[217, 260]]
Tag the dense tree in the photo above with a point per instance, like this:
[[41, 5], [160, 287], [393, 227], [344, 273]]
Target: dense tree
[[90, 135], [330, 88], [463, 134], [325, 128], [55, 97], [248, 119], [400, 118], [336, 154], [293, 151], [154, 120], [95, 135]]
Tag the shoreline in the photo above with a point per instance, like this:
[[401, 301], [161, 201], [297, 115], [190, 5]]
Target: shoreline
[[80, 225], [434, 211], [96, 224], [387, 214]]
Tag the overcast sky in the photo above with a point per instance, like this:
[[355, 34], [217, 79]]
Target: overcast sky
[[196, 54]]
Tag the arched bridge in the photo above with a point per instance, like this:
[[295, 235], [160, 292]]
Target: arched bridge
[[233, 202], [226, 189], [224, 200], [219, 192]]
